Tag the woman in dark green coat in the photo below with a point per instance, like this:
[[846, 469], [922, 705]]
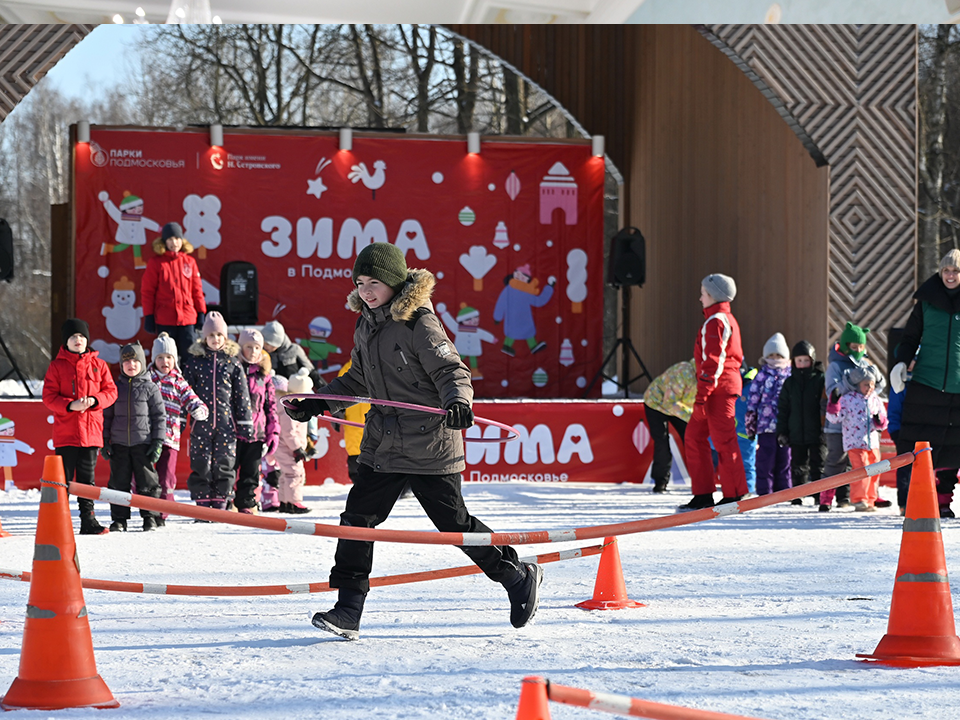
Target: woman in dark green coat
[[931, 407]]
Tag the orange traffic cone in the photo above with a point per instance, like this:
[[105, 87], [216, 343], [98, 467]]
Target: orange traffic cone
[[57, 667], [609, 592], [921, 630], [3, 533], [534, 704]]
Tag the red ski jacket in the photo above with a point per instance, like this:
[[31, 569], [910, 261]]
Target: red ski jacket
[[718, 353], [171, 290], [71, 377]]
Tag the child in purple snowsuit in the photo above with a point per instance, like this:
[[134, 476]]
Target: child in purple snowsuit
[[773, 461], [215, 374], [253, 442], [178, 400]]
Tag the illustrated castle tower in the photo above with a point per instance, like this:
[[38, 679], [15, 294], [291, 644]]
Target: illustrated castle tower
[[558, 190]]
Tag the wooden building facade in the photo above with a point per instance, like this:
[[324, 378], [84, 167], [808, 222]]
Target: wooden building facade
[[784, 156]]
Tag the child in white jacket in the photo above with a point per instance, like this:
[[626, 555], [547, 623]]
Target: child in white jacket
[[292, 449], [862, 416]]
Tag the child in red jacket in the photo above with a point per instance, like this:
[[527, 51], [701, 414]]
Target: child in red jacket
[[76, 388], [718, 355], [172, 293]]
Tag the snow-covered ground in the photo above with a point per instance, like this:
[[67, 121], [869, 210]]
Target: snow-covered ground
[[757, 615]]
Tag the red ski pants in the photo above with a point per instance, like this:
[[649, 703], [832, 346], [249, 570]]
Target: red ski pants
[[715, 421]]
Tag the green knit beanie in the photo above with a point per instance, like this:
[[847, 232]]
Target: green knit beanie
[[852, 334], [383, 262]]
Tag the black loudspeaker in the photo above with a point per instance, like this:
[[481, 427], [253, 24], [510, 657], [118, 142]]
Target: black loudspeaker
[[239, 297], [628, 259], [6, 251]]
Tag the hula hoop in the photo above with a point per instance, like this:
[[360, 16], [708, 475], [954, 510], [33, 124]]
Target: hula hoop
[[350, 399]]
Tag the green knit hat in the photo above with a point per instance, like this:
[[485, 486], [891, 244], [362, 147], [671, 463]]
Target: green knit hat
[[852, 334], [383, 262]]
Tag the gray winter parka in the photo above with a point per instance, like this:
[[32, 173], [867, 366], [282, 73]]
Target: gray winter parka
[[138, 416], [401, 352]]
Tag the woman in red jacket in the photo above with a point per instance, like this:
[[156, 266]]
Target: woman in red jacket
[[718, 356], [76, 389], [172, 293]]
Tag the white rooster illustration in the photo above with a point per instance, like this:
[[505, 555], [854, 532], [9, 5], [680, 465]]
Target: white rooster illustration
[[373, 182]]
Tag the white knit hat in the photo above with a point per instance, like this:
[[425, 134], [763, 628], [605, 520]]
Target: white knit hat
[[776, 344], [165, 345], [300, 383]]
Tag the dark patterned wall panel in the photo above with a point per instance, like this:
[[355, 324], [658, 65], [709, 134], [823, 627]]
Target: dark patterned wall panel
[[27, 52], [851, 92]]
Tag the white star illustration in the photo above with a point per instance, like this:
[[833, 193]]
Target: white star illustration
[[316, 187]]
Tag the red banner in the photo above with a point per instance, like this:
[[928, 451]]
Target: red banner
[[560, 441], [514, 235]]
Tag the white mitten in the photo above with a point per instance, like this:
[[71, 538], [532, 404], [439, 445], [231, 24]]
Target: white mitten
[[201, 413], [898, 377]]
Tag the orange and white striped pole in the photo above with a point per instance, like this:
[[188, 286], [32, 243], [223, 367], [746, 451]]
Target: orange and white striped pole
[[536, 690]]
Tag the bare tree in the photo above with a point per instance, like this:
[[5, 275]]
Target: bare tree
[[466, 78], [937, 225]]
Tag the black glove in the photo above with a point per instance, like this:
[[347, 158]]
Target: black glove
[[303, 410], [299, 455], [835, 396], [783, 440], [149, 325], [459, 416], [273, 478], [105, 451], [156, 447], [200, 318]]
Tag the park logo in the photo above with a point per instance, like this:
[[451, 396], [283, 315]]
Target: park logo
[[97, 155]]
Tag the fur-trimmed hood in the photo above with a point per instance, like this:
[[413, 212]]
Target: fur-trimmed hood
[[415, 294], [264, 367], [160, 247], [200, 349]]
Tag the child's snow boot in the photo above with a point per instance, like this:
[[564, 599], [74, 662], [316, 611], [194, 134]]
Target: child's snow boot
[[90, 526], [344, 618], [149, 523], [118, 526], [297, 508], [524, 594]]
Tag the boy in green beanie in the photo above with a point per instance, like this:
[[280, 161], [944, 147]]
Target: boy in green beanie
[[401, 352]]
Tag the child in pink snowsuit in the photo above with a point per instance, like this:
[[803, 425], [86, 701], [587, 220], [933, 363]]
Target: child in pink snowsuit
[[862, 416], [292, 449], [178, 400], [269, 469]]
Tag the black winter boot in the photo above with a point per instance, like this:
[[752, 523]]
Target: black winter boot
[[524, 594], [118, 526], [344, 619], [90, 526], [149, 523], [698, 502]]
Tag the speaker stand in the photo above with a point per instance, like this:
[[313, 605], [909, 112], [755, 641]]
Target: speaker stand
[[625, 344], [13, 367]]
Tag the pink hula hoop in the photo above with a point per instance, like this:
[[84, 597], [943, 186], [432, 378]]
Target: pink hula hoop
[[513, 432]]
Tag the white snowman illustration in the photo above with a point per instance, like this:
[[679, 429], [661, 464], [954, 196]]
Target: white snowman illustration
[[322, 444], [123, 319]]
